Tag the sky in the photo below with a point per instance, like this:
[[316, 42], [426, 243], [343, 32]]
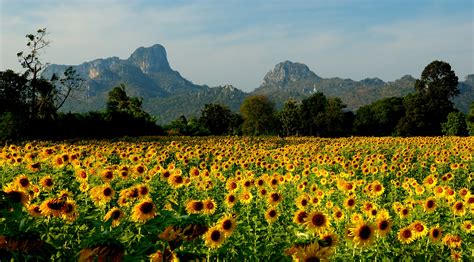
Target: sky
[[237, 42]]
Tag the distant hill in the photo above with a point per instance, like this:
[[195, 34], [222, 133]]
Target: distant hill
[[167, 95]]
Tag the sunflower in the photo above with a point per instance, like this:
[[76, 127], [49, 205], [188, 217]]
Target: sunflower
[[107, 175], [246, 197], [313, 252], [467, 226], [69, 210], [362, 234], [176, 180], [194, 206], [303, 201], [144, 211], [459, 208], [14, 194], [328, 240], [419, 229], [300, 217], [317, 221], [337, 214], [22, 182], [435, 234], [115, 214], [47, 182], [230, 200], [209, 206], [271, 215], [406, 235], [81, 175], [429, 205], [34, 210], [350, 202], [52, 207], [274, 198], [214, 237], [227, 224], [452, 241]]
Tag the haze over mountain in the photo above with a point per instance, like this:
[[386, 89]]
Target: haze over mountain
[[167, 95]]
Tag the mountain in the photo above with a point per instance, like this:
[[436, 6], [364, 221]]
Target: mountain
[[147, 74], [167, 95]]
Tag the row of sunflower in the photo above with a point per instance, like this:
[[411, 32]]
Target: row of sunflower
[[239, 199]]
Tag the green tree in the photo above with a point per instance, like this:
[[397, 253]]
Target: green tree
[[290, 118], [333, 118], [216, 118], [430, 105], [119, 103], [259, 116], [470, 120], [455, 124], [379, 118], [312, 113]]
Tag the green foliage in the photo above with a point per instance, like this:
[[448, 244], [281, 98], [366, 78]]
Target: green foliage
[[290, 118], [120, 104], [216, 118], [455, 124], [312, 111], [430, 105], [379, 118], [259, 116]]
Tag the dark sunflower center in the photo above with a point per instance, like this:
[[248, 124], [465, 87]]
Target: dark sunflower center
[[146, 207], [272, 213], [302, 216], [115, 214], [459, 206], [328, 240], [365, 232], [227, 224], [275, 197], [48, 182], [419, 227], [304, 202], [178, 179], [68, 208], [233, 185], [107, 192], [318, 220], [143, 190], [312, 259], [378, 188], [140, 169], [435, 233], [406, 233], [24, 182], [351, 202], [55, 205], [166, 174], [405, 212], [260, 182], [430, 204], [210, 205], [383, 225], [231, 198], [215, 235], [198, 206]]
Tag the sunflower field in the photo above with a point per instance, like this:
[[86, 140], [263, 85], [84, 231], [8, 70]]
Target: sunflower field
[[239, 198]]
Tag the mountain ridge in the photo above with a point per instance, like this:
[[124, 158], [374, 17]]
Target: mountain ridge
[[166, 94]]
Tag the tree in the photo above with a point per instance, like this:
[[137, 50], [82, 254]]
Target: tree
[[290, 118], [333, 118], [259, 115], [45, 97], [379, 118], [312, 113], [13, 94], [430, 105], [455, 124], [119, 103], [216, 118]]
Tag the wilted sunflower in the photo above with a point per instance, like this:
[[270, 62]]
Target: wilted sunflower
[[34, 210], [406, 235], [115, 214], [317, 221], [214, 237], [362, 234], [144, 211], [452, 241]]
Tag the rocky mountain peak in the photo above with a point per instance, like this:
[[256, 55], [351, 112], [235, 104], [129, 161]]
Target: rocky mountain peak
[[150, 59], [287, 72]]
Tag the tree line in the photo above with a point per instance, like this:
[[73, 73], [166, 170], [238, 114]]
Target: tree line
[[30, 109]]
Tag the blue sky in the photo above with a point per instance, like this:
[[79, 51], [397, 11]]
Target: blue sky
[[237, 42]]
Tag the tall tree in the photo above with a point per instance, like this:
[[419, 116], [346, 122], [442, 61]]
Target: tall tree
[[290, 118], [333, 123], [431, 104], [259, 116], [312, 113], [455, 124]]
